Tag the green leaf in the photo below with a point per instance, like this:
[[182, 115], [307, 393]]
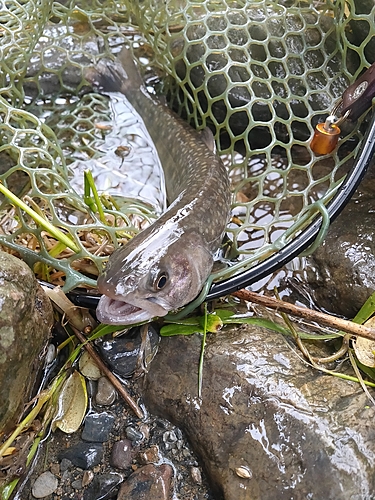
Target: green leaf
[[172, 329], [370, 372], [367, 310]]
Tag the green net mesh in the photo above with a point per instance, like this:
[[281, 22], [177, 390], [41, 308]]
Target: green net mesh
[[260, 74]]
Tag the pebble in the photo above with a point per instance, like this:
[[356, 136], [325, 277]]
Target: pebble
[[45, 485], [77, 484], [146, 483], [196, 475], [106, 394], [149, 456], [133, 434], [103, 486], [87, 477], [84, 455], [97, 427], [121, 353], [65, 465], [170, 440], [121, 454]]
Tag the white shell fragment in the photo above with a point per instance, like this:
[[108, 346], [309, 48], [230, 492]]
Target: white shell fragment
[[243, 472]]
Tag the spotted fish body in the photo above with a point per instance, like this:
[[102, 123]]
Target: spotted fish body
[[165, 266]]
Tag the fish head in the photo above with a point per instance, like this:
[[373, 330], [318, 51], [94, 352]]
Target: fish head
[[139, 286]]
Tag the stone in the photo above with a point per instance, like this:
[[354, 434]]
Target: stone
[[103, 486], [122, 353], [45, 485], [97, 427], [148, 482], [77, 484], [84, 455], [150, 455], [26, 319], [121, 454], [267, 424], [106, 394]]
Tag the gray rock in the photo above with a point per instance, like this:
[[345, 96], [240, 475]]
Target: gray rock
[[25, 323], [97, 427], [45, 485], [267, 423], [103, 486], [84, 455], [148, 482], [106, 393]]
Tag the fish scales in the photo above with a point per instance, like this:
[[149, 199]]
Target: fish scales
[[165, 266]]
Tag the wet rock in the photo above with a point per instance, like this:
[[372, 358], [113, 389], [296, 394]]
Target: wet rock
[[121, 454], [341, 272], [149, 456], [77, 484], [97, 427], [134, 434], [106, 393], [147, 482], [103, 486], [25, 322], [84, 455], [87, 477], [65, 464], [265, 412], [127, 353], [45, 485]]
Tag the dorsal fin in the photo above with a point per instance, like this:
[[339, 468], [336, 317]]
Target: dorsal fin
[[207, 137]]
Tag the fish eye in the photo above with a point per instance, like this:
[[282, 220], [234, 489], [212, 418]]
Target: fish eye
[[161, 281]]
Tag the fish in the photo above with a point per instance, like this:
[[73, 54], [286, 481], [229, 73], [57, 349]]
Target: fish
[[165, 266]]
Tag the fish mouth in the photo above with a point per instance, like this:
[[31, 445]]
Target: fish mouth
[[118, 312]]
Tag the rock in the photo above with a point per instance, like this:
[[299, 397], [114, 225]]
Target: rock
[[126, 353], [45, 485], [77, 484], [106, 393], [134, 434], [25, 323], [265, 415], [341, 272], [103, 486], [121, 454], [97, 427], [84, 455], [148, 482], [150, 455]]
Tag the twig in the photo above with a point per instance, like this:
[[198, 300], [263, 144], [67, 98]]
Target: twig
[[309, 314], [114, 381]]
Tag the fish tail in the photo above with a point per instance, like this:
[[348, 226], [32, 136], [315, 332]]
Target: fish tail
[[121, 75]]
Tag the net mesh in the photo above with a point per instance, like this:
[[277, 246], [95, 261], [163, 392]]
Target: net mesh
[[260, 74]]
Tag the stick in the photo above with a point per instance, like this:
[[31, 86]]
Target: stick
[[114, 381], [309, 314]]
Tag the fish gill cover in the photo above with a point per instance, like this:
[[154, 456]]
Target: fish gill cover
[[260, 74]]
